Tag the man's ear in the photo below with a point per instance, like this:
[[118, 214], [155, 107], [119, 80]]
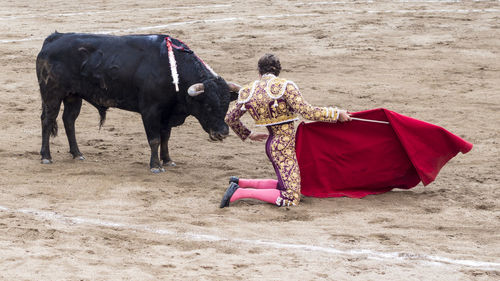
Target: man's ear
[[233, 96]]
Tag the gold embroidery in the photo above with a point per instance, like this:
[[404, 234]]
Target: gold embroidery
[[259, 99], [244, 94], [275, 88]]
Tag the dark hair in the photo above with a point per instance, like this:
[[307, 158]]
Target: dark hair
[[269, 63]]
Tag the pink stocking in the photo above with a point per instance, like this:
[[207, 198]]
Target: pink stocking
[[259, 184], [266, 195]]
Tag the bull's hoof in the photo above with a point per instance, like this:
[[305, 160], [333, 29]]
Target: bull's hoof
[[80, 157], [157, 170], [46, 161], [169, 164]]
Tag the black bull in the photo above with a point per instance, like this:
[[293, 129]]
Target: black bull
[[131, 73]]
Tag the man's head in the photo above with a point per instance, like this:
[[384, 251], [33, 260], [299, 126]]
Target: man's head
[[269, 63]]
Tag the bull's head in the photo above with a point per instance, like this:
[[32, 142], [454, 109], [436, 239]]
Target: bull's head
[[209, 104]]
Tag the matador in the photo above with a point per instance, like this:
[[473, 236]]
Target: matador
[[274, 103]]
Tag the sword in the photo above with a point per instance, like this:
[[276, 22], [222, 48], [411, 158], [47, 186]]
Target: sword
[[369, 120]]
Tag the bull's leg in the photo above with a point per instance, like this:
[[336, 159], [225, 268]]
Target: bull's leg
[[164, 155], [49, 127], [72, 106], [151, 121]]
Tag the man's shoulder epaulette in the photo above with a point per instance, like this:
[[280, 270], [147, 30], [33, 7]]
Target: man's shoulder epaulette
[[277, 87], [245, 93]]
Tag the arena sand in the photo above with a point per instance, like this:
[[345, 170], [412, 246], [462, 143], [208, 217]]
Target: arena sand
[[109, 218]]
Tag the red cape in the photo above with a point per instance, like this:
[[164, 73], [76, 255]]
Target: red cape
[[358, 158]]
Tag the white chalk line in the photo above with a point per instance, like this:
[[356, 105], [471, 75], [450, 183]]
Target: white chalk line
[[369, 254], [135, 11], [331, 3], [136, 29], [162, 26], [373, 2], [429, 1], [90, 13]]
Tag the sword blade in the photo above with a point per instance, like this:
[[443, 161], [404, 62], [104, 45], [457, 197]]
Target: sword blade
[[369, 120]]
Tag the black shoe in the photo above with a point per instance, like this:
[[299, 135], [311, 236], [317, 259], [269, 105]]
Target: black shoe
[[229, 193], [234, 179]]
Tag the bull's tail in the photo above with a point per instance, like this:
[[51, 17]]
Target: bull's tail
[[53, 126], [53, 131], [44, 77], [102, 113]]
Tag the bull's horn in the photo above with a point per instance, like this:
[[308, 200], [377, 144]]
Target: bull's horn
[[233, 87], [196, 89]]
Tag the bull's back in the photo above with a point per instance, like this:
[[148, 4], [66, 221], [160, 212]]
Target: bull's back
[[105, 70]]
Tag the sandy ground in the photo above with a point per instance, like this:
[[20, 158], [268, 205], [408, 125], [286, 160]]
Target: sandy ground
[[109, 218]]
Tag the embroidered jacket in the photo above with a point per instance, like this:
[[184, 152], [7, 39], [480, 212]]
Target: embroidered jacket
[[271, 101]]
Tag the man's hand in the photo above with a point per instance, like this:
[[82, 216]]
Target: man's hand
[[344, 116], [258, 136]]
